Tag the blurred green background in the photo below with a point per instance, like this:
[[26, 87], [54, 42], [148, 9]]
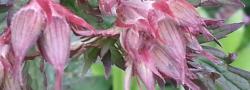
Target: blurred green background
[[238, 39]]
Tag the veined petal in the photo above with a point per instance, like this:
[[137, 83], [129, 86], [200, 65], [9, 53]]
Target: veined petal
[[55, 46], [158, 36], [127, 79], [146, 75], [26, 26], [181, 9]]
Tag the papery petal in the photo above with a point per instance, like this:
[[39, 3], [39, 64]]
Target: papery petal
[[138, 55], [127, 79], [181, 9], [55, 46], [163, 7], [26, 26], [157, 37], [174, 47], [146, 75]]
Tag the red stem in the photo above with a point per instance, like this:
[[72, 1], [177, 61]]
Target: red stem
[[59, 76], [17, 73]]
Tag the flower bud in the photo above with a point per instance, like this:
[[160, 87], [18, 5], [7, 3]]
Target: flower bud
[[55, 45], [26, 26]]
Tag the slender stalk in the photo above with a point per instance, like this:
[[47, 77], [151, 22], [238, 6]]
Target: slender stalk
[[59, 77]]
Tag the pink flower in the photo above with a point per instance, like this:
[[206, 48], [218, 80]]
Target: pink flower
[[49, 24], [55, 45], [26, 26], [157, 39]]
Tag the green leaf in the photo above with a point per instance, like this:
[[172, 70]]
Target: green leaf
[[228, 80], [90, 57], [221, 31], [117, 57], [88, 83], [106, 60], [118, 78], [240, 72], [90, 12], [216, 52], [34, 75], [94, 3]]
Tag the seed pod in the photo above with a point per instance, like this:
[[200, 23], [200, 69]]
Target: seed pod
[[26, 26], [55, 46]]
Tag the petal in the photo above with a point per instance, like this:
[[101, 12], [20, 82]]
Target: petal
[[146, 75], [26, 26], [55, 46], [127, 79], [181, 9], [55, 41]]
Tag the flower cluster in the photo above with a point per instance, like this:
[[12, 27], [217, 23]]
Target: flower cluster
[[160, 37], [47, 24]]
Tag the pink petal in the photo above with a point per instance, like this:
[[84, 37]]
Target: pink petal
[[146, 75], [181, 9], [127, 79], [26, 26], [55, 46]]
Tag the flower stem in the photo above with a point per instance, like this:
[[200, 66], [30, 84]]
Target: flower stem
[[59, 76]]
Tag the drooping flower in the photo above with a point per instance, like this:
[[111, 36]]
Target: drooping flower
[[55, 45], [26, 26], [7, 80], [158, 38], [49, 24]]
